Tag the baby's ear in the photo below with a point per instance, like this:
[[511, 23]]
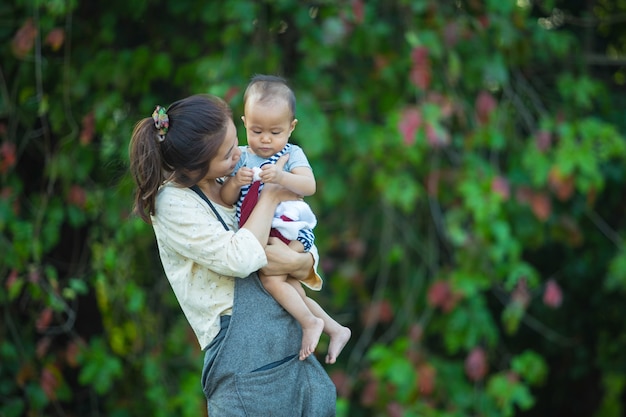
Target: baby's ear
[[294, 122], [243, 119]]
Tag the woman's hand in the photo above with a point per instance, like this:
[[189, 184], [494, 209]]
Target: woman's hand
[[283, 260], [278, 193]]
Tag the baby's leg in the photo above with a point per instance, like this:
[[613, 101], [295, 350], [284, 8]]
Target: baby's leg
[[339, 335], [287, 296]]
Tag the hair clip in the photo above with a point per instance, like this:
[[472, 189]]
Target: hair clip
[[161, 122]]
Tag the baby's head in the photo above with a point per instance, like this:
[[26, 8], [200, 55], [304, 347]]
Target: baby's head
[[269, 90], [268, 114]]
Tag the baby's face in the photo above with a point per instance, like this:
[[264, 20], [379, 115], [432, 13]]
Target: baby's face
[[268, 126]]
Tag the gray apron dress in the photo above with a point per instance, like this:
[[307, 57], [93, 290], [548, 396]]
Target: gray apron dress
[[255, 371], [252, 367]]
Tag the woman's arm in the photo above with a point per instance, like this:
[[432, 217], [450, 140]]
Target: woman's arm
[[186, 227], [283, 260]]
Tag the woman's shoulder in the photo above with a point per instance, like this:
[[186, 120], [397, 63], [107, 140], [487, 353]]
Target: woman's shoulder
[[171, 189], [180, 199], [172, 194]]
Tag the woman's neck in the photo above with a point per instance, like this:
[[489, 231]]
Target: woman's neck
[[211, 188]]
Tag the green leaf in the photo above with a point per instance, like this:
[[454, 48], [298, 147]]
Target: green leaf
[[509, 394], [616, 277], [13, 407], [531, 366], [99, 368]]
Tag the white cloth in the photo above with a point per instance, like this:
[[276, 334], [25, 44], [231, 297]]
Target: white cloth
[[301, 215]]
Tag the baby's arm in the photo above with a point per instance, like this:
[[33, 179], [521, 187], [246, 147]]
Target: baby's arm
[[232, 186], [300, 180]]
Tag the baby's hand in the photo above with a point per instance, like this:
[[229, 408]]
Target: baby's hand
[[243, 176], [271, 174]]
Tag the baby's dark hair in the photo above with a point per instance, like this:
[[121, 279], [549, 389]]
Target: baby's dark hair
[[197, 128], [269, 87]]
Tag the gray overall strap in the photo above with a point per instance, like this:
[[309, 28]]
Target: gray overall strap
[[257, 372]]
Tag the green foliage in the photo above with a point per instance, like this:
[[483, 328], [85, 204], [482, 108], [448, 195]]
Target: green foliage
[[470, 169], [99, 368]]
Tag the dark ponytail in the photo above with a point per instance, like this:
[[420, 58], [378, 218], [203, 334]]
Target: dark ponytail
[[197, 127]]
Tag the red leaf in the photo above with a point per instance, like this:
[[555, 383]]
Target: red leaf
[[561, 185], [520, 294], [543, 140], [377, 312], [421, 70], [44, 319], [541, 206], [451, 34], [50, 381], [484, 21], [432, 182], [426, 374], [416, 331], [7, 156], [42, 346], [485, 105], [342, 382], [385, 311], [55, 38], [395, 410], [500, 186], [524, 195], [11, 279], [358, 9], [552, 295], [440, 295], [88, 129], [355, 248], [77, 196], [369, 393], [71, 353], [410, 122], [231, 93], [24, 39], [380, 62], [476, 364]]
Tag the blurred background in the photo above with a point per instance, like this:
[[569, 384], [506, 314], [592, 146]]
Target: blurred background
[[470, 160]]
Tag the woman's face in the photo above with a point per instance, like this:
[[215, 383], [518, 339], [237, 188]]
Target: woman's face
[[227, 155]]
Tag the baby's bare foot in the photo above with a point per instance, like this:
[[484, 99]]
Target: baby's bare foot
[[338, 340], [310, 336]]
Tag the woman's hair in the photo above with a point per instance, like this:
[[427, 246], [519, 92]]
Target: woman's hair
[[265, 88], [197, 128]]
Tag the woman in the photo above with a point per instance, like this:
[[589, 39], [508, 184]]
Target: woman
[[251, 365]]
